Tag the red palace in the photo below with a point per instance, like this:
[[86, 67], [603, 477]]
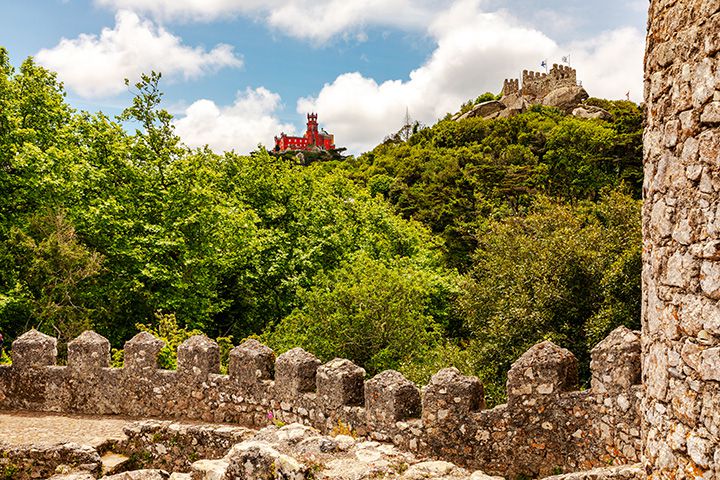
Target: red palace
[[313, 139]]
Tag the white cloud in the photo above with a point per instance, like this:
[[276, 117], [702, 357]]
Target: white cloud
[[475, 51], [94, 66], [248, 121], [317, 20], [611, 64]]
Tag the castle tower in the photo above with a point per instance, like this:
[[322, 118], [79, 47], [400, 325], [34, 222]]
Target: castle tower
[[311, 135], [312, 123], [681, 242], [510, 86]]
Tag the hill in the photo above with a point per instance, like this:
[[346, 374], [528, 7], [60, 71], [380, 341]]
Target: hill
[[463, 245]]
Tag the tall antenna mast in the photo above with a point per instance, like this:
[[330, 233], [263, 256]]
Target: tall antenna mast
[[406, 129]]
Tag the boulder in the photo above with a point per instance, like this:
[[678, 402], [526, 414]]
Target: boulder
[[566, 98], [209, 469], [514, 105], [485, 110], [73, 476], [258, 460], [479, 475], [590, 112], [149, 474], [434, 469]]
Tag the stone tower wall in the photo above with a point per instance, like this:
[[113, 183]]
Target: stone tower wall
[[510, 86], [681, 241], [546, 426]]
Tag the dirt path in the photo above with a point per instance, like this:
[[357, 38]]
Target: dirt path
[[24, 428]]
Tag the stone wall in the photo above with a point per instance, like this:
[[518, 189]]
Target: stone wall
[[511, 86], [538, 85], [28, 462], [546, 426], [174, 446], [681, 232]]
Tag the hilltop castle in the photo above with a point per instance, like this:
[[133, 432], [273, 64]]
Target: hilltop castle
[[557, 88], [539, 85], [314, 138]]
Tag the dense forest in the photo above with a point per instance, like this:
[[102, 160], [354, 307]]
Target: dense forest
[[461, 244]]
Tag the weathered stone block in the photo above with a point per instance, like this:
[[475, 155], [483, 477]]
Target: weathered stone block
[[390, 398], [711, 113], [543, 372], [680, 270], [251, 362], [451, 396], [340, 382], [709, 367], [615, 363], [34, 350], [89, 352], [198, 356], [258, 460], [655, 365], [710, 279], [295, 372], [141, 351]]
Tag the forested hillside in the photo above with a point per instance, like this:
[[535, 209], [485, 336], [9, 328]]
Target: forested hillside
[[463, 245]]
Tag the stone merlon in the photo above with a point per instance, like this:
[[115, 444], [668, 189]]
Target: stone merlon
[[445, 419]]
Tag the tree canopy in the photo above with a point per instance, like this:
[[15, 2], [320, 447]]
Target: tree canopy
[[459, 244]]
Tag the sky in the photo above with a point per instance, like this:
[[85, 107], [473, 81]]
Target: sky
[[238, 72]]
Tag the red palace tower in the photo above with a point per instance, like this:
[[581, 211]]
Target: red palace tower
[[313, 139]]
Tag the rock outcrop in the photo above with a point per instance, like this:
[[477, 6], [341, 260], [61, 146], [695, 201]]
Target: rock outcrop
[[489, 109], [590, 112], [298, 452], [558, 88], [566, 98]]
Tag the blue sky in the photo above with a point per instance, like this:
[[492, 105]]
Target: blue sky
[[237, 72]]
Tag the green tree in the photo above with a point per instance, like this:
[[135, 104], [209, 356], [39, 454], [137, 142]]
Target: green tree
[[380, 315], [551, 275], [55, 269]]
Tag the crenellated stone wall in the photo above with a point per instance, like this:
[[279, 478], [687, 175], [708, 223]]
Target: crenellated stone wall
[[681, 241], [546, 426], [539, 85], [511, 86]]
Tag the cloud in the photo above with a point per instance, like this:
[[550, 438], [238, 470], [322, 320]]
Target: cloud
[[94, 66], [475, 51], [317, 20], [248, 121], [611, 64]]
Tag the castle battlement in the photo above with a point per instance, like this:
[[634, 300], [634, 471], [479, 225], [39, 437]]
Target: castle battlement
[[538, 84], [445, 419], [510, 86]]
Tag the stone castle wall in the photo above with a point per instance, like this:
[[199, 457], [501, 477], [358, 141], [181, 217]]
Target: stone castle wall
[[545, 427], [511, 86], [538, 85], [681, 232]]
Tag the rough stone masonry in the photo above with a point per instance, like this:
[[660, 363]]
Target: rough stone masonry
[[681, 241], [546, 427]]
